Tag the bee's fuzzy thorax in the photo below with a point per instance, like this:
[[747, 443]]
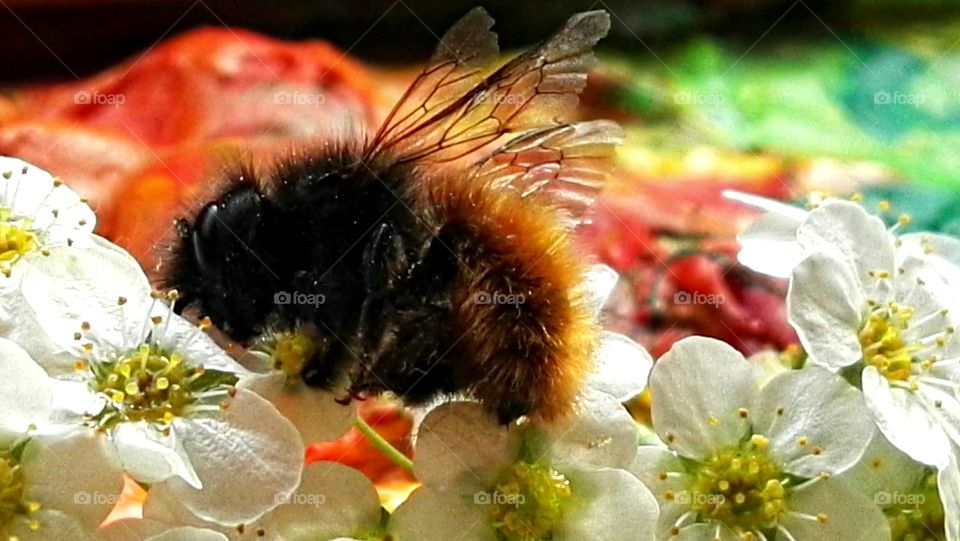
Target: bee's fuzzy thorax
[[528, 333]]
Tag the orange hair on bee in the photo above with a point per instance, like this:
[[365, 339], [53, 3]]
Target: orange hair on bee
[[528, 332]]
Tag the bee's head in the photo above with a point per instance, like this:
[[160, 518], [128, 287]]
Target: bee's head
[[220, 264]]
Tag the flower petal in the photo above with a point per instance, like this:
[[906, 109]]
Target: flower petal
[[333, 501], [52, 525], [600, 281], [601, 434], [189, 533], [664, 474], [77, 473], [428, 515], [609, 505], [248, 457], [459, 444], [69, 287], [715, 382], [824, 305], [846, 514], [316, 413], [816, 422], [25, 396], [623, 367], [948, 482], [904, 420], [769, 245], [150, 456], [883, 468], [177, 334], [849, 229]]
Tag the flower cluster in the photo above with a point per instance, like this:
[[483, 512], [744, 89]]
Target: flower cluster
[[854, 435]]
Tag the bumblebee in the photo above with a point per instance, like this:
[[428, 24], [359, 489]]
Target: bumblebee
[[436, 257]]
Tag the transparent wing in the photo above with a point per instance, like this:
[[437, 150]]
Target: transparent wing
[[566, 163], [538, 88]]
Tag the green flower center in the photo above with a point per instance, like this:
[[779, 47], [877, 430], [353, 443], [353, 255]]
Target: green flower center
[[153, 385], [884, 348], [12, 504], [918, 516], [527, 502], [741, 487], [16, 239]]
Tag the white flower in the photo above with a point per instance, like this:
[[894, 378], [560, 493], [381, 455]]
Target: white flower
[[56, 486], [333, 502], [529, 480], [752, 461], [918, 501], [885, 315], [38, 215], [167, 395]]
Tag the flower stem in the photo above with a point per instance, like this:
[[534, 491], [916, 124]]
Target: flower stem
[[384, 446]]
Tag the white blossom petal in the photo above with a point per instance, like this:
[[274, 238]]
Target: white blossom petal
[[332, 501], [948, 482], [622, 367], [602, 434], [25, 396], [822, 411], [189, 533], [53, 525], [824, 305], [77, 473], [248, 458], [459, 444], [715, 382], [600, 281], [428, 515], [849, 229], [904, 420], [69, 287], [848, 515], [608, 505], [150, 456], [664, 474]]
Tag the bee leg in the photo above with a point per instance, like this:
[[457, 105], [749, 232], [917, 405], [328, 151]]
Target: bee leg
[[384, 260]]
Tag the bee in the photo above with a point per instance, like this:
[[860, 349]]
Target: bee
[[439, 253]]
